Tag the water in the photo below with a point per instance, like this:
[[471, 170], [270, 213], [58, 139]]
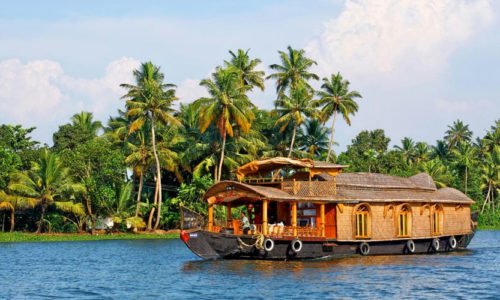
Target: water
[[167, 270]]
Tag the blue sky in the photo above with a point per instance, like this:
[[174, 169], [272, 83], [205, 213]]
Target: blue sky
[[418, 64]]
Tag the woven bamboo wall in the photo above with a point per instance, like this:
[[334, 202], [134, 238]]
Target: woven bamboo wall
[[456, 221]]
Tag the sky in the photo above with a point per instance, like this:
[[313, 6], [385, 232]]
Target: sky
[[419, 65]]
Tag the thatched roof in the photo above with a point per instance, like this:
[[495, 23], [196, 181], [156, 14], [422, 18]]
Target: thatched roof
[[364, 187], [267, 165], [420, 181]]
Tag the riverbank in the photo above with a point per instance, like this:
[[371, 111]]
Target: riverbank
[[11, 237]]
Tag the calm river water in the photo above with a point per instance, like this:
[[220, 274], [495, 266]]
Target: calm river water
[[167, 270]]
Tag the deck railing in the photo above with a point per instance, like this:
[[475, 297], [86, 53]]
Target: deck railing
[[274, 230], [309, 188]]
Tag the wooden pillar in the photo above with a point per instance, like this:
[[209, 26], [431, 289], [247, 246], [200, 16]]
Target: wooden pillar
[[264, 216], [294, 218], [229, 216], [322, 216], [210, 217]]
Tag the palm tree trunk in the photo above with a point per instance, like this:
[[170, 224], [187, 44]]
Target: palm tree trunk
[[3, 222], [487, 198], [12, 222], [331, 137], [158, 177], [224, 136], [88, 204], [293, 141], [42, 217], [139, 192]]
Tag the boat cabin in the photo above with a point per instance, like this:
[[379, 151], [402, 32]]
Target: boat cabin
[[301, 198]]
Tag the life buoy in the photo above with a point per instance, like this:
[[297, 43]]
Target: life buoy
[[435, 244], [296, 245], [364, 248], [452, 242], [410, 245], [268, 245]]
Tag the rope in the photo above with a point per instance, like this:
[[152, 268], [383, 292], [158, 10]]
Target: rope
[[259, 242]]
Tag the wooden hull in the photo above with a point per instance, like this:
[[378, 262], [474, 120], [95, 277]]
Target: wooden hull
[[209, 245]]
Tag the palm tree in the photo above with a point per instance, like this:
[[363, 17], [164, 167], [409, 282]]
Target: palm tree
[[439, 172], [336, 98], [407, 148], [140, 159], [12, 203], [150, 101], [85, 121], [457, 133], [47, 182], [294, 109], [492, 137], [464, 158], [421, 153], [441, 150], [313, 139], [227, 104], [490, 177], [293, 71], [245, 66]]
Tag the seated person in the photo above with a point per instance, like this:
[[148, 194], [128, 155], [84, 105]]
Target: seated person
[[244, 223]]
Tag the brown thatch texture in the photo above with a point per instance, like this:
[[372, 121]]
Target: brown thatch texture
[[420, 181]]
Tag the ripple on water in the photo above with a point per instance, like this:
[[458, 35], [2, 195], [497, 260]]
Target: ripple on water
[[167, 270]]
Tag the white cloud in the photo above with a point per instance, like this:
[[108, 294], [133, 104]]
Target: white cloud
[[39, 93], [29, 90], [397, 39], [189, 90]]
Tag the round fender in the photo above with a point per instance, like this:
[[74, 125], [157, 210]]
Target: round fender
[[268, 245], [452, 242], [435, 244], [364, 248], [410, 245], [296, 245]]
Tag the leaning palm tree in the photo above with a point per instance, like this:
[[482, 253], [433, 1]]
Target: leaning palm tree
[[85, 121], [227, 104], [293, 71], [294, 111], [245, 66], [48, 182], [457, 133], [336, 98], [150, 101]]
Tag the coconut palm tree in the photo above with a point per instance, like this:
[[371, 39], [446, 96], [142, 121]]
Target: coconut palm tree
[[440, 151], [313, 138], [294, 111], [421, 153], [464, 158], [490, 177], [85, 121], [150, 101], [226, 105], [293, 71], [245, 66], [439, 172], [336, 98], [457, 133], [407, 148], [48, 182], [12, 203]]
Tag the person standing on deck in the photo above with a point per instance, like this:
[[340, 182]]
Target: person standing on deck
[[245, 223]]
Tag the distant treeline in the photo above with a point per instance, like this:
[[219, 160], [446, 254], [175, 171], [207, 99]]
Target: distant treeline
[[149, 158]]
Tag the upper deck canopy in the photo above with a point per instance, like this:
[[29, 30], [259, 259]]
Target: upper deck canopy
[[261, 167]]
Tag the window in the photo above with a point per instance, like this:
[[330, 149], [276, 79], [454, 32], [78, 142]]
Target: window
[[404, 221], [362, 220], [437, 220]]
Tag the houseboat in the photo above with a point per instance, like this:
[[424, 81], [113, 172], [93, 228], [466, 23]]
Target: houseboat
[[304, 209]]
